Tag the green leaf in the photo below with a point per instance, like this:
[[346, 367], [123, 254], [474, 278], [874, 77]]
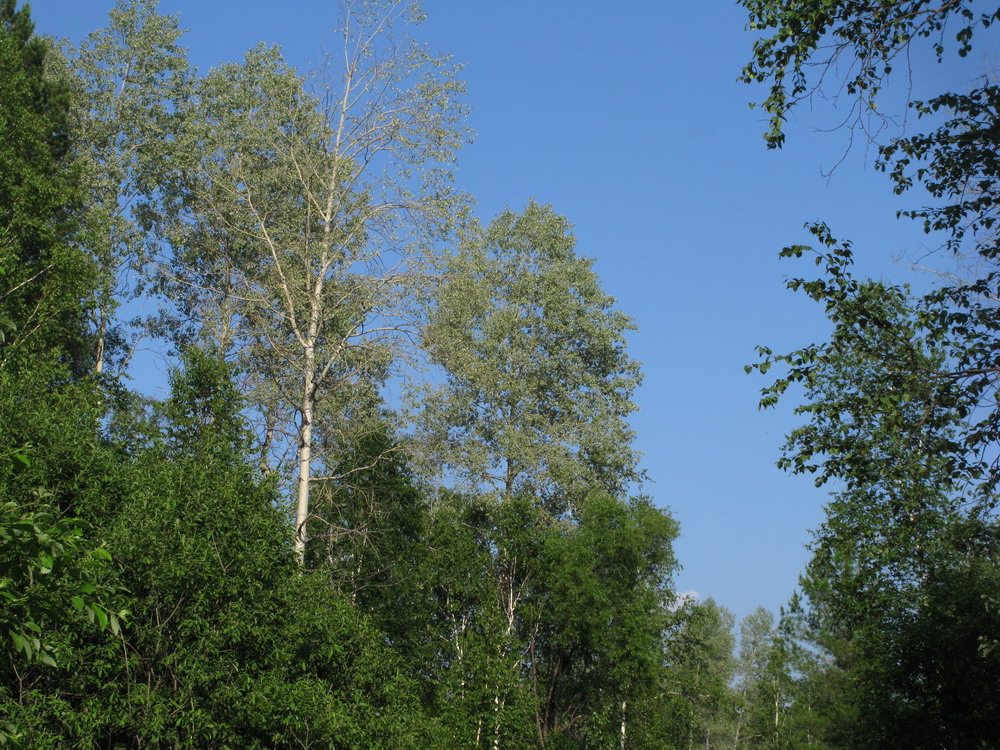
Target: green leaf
[[45, 562]]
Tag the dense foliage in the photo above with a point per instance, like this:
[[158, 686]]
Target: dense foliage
[[155, 591], [272, 556]]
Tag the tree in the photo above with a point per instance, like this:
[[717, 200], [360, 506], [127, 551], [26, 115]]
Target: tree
[[49, 571], [43, 276], [538, 384], [306, 220], [821, 702], [130, 81], [700, 671], [54, 585], [596, 651], [482, 556], [48, 567], [763, 682], [955, 163], [368, 533], [902, 409], [910, 520], [549, 632]]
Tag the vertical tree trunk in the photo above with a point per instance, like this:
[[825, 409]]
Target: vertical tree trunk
[[305, 454], [777, 704], [102, 329], [621, 741], [497, 707]]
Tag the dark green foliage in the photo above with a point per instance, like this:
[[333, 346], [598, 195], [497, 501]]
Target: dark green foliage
[[907, 553], [920, 678], [49, 570], [225, 635], [368, 536], [598, 649], [550, 629], [494, 618], [54, 587], [901, 402], [367, 518], [203, 412], [43, 278]]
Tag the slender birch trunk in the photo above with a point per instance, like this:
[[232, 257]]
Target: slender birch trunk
[[305, 456]]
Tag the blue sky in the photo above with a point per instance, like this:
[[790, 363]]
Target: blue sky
[[628, 118]]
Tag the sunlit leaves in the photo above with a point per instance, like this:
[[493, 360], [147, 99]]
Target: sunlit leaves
[[539, 382]]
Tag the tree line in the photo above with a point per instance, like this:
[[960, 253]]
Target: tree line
[[275, 555]]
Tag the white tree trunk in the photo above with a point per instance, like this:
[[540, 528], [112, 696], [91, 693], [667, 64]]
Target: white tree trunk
[[621, 742], [305, 454]]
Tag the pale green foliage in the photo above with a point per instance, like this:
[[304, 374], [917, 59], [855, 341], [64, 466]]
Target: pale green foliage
[[306, 221], [235, 212], [129, 81], [756, 630], [538, 384], [312, 202], [756, 683]]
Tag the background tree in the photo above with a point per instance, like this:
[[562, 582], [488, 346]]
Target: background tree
[[43, 276], [130, 81], [483, 556], [763, 683], [538, 384], [701, 668], [597, 649]]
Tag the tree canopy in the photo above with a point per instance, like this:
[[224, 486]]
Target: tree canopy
[[262, 558], [900, 401], [538, 383], [387, 499]]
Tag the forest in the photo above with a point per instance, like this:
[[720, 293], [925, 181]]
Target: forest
[[392, 498]]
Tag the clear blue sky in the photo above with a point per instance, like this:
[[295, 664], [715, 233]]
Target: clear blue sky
[[628, 118]]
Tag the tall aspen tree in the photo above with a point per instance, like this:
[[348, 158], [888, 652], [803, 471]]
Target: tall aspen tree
[[310, 215]]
